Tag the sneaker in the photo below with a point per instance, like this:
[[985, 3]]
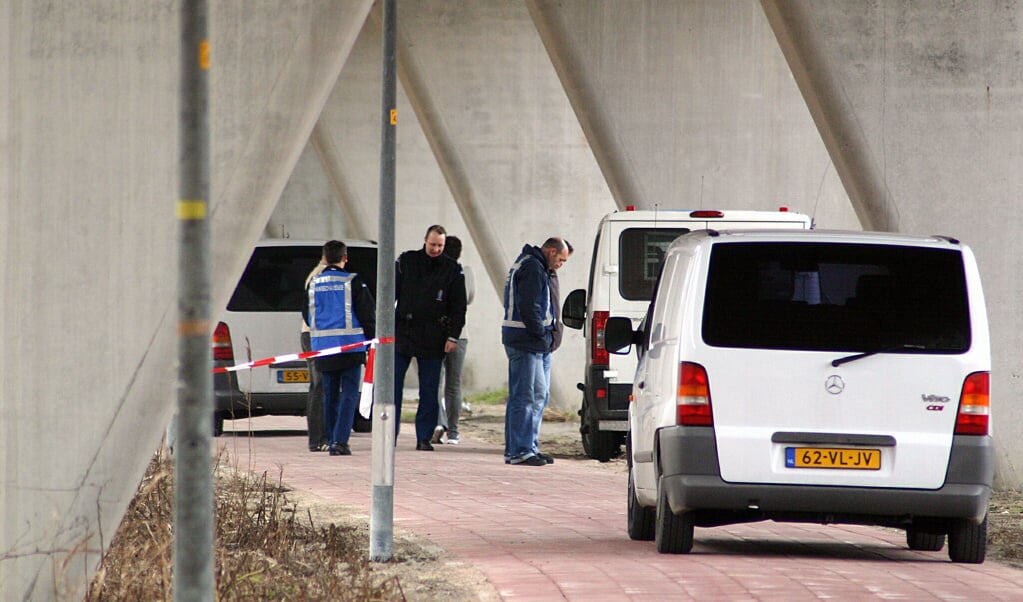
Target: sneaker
[[531, 461], [437, 434], [340, 449], [319, 448], [424, 445], [452, 440], [545, 458]]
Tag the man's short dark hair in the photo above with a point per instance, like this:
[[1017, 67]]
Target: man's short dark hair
[[334, 251], [453, 247], [435, 228], [557, 243]]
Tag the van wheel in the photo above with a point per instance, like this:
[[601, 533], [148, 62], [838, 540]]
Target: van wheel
[[360, 424], [597, 444], [967, 541], [924, 540], [218, 424], [673, 533], [640, 518]]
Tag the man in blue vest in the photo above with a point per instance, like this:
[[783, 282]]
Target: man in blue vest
[[340, 310], [528, 334]]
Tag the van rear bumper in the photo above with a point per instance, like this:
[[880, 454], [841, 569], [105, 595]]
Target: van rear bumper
[[689, 469]]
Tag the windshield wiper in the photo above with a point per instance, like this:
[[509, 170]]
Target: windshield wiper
[[858, 356]]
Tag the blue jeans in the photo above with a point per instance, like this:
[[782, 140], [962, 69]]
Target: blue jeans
[[538, 415], [429, 383], [340, 400], [527, 395]]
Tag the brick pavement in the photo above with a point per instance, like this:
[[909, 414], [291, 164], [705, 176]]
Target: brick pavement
[[558, 532]]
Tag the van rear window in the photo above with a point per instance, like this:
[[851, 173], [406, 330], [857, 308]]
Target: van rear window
[[836, 297], [640, 256], [274, 279]]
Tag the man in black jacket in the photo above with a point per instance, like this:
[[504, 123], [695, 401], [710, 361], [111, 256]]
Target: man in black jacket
[[430, 314]]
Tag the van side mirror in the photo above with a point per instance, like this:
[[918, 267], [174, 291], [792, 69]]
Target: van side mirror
[[619, 335], [573, 311]]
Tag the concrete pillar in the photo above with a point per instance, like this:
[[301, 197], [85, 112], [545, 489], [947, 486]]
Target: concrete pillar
[[88, 194]]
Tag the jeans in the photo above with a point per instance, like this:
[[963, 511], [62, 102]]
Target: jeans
[[538, 415], [314, 404], [527, 394], [429, 383], [340, 402], [452, 401]]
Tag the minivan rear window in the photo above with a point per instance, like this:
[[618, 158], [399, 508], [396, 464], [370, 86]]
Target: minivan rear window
[[640, 256], [274, 279], [836, 297]]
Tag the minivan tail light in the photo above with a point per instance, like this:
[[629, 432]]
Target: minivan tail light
[[706, 213], [693, 401], [974, 405], [222, 349], [598, 349]]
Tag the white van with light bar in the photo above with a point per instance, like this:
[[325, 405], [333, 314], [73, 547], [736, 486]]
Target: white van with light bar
[[820, 377], [627, 255]]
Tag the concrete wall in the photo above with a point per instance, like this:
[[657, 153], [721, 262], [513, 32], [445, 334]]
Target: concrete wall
[[89, 155], [920, 107]]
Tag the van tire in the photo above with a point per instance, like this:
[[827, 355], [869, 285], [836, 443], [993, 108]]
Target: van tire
[[640, 519], [967, 540], [597, 444], [218, 424], [360, 424], [673, 533], [924, 541]]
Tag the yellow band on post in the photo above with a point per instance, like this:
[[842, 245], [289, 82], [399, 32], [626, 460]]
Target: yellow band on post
[[193, 328], [204, 55], [190, 209]]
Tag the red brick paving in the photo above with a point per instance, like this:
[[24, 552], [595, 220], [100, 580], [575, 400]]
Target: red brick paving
[[558, 532]]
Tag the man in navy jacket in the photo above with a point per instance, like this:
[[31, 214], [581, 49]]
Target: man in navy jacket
[[528, 332]]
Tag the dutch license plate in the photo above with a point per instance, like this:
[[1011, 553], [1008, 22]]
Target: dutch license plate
[[292, 376], [825, 457]]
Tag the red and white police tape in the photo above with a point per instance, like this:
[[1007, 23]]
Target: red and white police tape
[[305, 355]]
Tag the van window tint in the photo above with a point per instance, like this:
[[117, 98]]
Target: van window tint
[[274, 279], [834, 297], [640, 255]]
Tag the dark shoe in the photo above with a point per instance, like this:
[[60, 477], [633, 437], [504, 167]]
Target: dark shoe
[[424, 445], [531, 461], [546, 458], [340, 449], [319, 448]]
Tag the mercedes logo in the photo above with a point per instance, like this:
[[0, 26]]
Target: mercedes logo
[[834, 384]]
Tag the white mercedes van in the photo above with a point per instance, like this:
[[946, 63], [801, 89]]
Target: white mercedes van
[[627, 254], [829, 377]]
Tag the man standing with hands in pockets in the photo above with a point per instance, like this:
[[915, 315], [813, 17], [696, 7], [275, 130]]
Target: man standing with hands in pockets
[[528, 332]]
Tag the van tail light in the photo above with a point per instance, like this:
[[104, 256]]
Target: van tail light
[[693, 403], [706, 214], [598, 350], [222, 349], [974, 405]]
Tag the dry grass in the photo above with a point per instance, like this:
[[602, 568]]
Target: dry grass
[[265, 548]]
